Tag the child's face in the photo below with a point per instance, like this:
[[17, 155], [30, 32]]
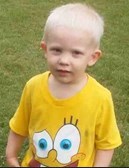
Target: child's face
[[68, 53]]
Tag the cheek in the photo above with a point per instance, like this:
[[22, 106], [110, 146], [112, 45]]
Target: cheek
[[81, 64], [51, 59], [52, 63]]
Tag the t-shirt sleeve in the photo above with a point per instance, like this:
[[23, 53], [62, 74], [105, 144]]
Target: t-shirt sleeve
[[107, 133], [20, 121]]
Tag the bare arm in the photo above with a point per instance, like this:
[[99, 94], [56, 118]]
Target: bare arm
[[103, 158], [14, 144]]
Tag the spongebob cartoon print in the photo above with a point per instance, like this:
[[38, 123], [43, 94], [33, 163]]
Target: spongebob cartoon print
[[63, 151]]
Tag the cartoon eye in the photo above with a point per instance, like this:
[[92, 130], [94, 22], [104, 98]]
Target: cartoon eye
[[43, 143], [67, 143]]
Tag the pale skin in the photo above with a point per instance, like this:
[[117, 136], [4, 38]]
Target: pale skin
[[14, 144], [68, 54], [103, 158]]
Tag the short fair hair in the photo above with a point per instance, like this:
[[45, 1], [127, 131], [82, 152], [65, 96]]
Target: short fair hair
[[77, 16]]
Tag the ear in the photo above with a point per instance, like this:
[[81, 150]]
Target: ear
[[94, 57], [43, 45]]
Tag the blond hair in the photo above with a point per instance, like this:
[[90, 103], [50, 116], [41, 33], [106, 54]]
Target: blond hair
[[77, 16]]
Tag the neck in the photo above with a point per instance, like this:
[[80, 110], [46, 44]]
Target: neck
[[65, 90]]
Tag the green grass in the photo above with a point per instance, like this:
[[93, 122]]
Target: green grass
[[21, 29]]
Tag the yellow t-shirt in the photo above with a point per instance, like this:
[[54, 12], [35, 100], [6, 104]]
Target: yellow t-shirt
[[65, 132]]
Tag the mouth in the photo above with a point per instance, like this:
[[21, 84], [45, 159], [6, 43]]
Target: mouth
[[35, 163], [63, 72], [74, 164]]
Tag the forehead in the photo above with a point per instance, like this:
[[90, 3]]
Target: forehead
[[70, 35]]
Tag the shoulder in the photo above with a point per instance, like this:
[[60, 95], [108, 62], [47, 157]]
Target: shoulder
[[98, 90], [38, 79]]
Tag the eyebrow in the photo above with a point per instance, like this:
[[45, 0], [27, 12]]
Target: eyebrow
[[76, 122], [71, 120], [55, 47], [64, 121]]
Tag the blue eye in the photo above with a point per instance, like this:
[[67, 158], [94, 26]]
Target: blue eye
[[43, 144], [65, 144]]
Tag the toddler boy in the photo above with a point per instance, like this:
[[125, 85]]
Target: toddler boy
[[66, 114]]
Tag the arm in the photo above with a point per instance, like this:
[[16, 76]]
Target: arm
[[103, 158], [14, 144]]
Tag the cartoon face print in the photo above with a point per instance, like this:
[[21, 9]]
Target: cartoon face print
[[60, 152]]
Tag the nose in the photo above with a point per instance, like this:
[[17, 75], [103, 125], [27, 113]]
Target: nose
[[64, 59], [52, 155]]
